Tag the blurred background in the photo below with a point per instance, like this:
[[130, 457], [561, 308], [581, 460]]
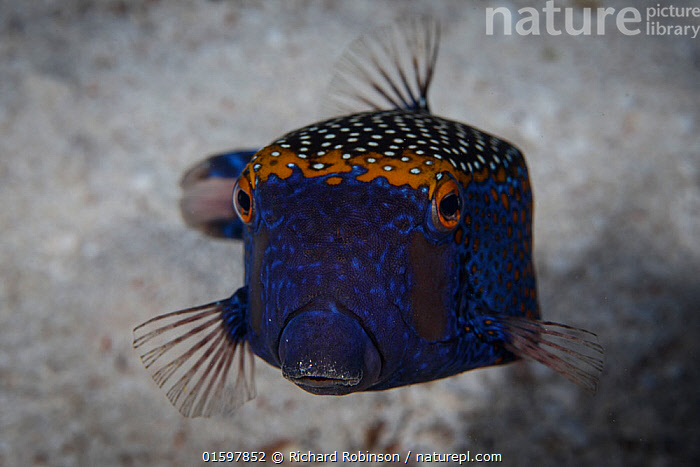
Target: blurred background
[[103, 105]]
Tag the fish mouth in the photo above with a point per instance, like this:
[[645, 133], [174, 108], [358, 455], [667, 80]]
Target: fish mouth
[[328, 352], [325, 385]]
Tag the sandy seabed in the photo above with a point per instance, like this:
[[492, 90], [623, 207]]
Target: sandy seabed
[[103, 104]]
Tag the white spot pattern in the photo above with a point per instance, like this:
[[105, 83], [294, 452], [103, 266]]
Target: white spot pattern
[[389, 132]]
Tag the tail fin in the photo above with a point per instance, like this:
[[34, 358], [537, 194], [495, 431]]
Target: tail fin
[[572, 352], [202, 355], [206, 203], [389, 68]]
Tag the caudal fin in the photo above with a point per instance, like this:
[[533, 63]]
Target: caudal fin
[[572, 352], [200, 357], [206, 203]]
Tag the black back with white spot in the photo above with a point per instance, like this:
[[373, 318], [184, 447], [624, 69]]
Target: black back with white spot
[[389, 133]]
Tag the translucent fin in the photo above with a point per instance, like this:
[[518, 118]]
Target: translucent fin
[[572, 352], [390, 68], [207, 207], [206, 203], [197, 354]]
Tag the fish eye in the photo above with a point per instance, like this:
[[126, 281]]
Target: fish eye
[[243, 199], [446, 208]]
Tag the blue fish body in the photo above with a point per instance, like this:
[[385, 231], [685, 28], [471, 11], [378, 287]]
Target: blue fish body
[[382, 248]]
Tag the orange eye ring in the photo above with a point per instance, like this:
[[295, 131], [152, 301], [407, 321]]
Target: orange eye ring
[[446, 207], [243, 199]]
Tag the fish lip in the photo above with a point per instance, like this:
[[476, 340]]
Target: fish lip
[[323, 378], [328, 367], [312, 376], [330, 303]]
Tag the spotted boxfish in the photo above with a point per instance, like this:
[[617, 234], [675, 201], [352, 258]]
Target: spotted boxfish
[[383, 247]]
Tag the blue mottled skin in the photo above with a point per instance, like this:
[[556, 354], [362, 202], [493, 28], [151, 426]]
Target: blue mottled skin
[[341, 241]]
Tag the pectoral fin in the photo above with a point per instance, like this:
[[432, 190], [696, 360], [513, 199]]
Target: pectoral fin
[[572, 352], [201, 356]]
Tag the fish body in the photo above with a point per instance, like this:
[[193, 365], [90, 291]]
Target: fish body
[[356, 227], [382, 248]]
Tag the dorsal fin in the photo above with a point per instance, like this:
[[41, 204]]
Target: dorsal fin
[[390, 68]]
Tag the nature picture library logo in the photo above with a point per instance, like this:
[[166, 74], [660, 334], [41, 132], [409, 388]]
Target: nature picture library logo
[[660, 20]]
